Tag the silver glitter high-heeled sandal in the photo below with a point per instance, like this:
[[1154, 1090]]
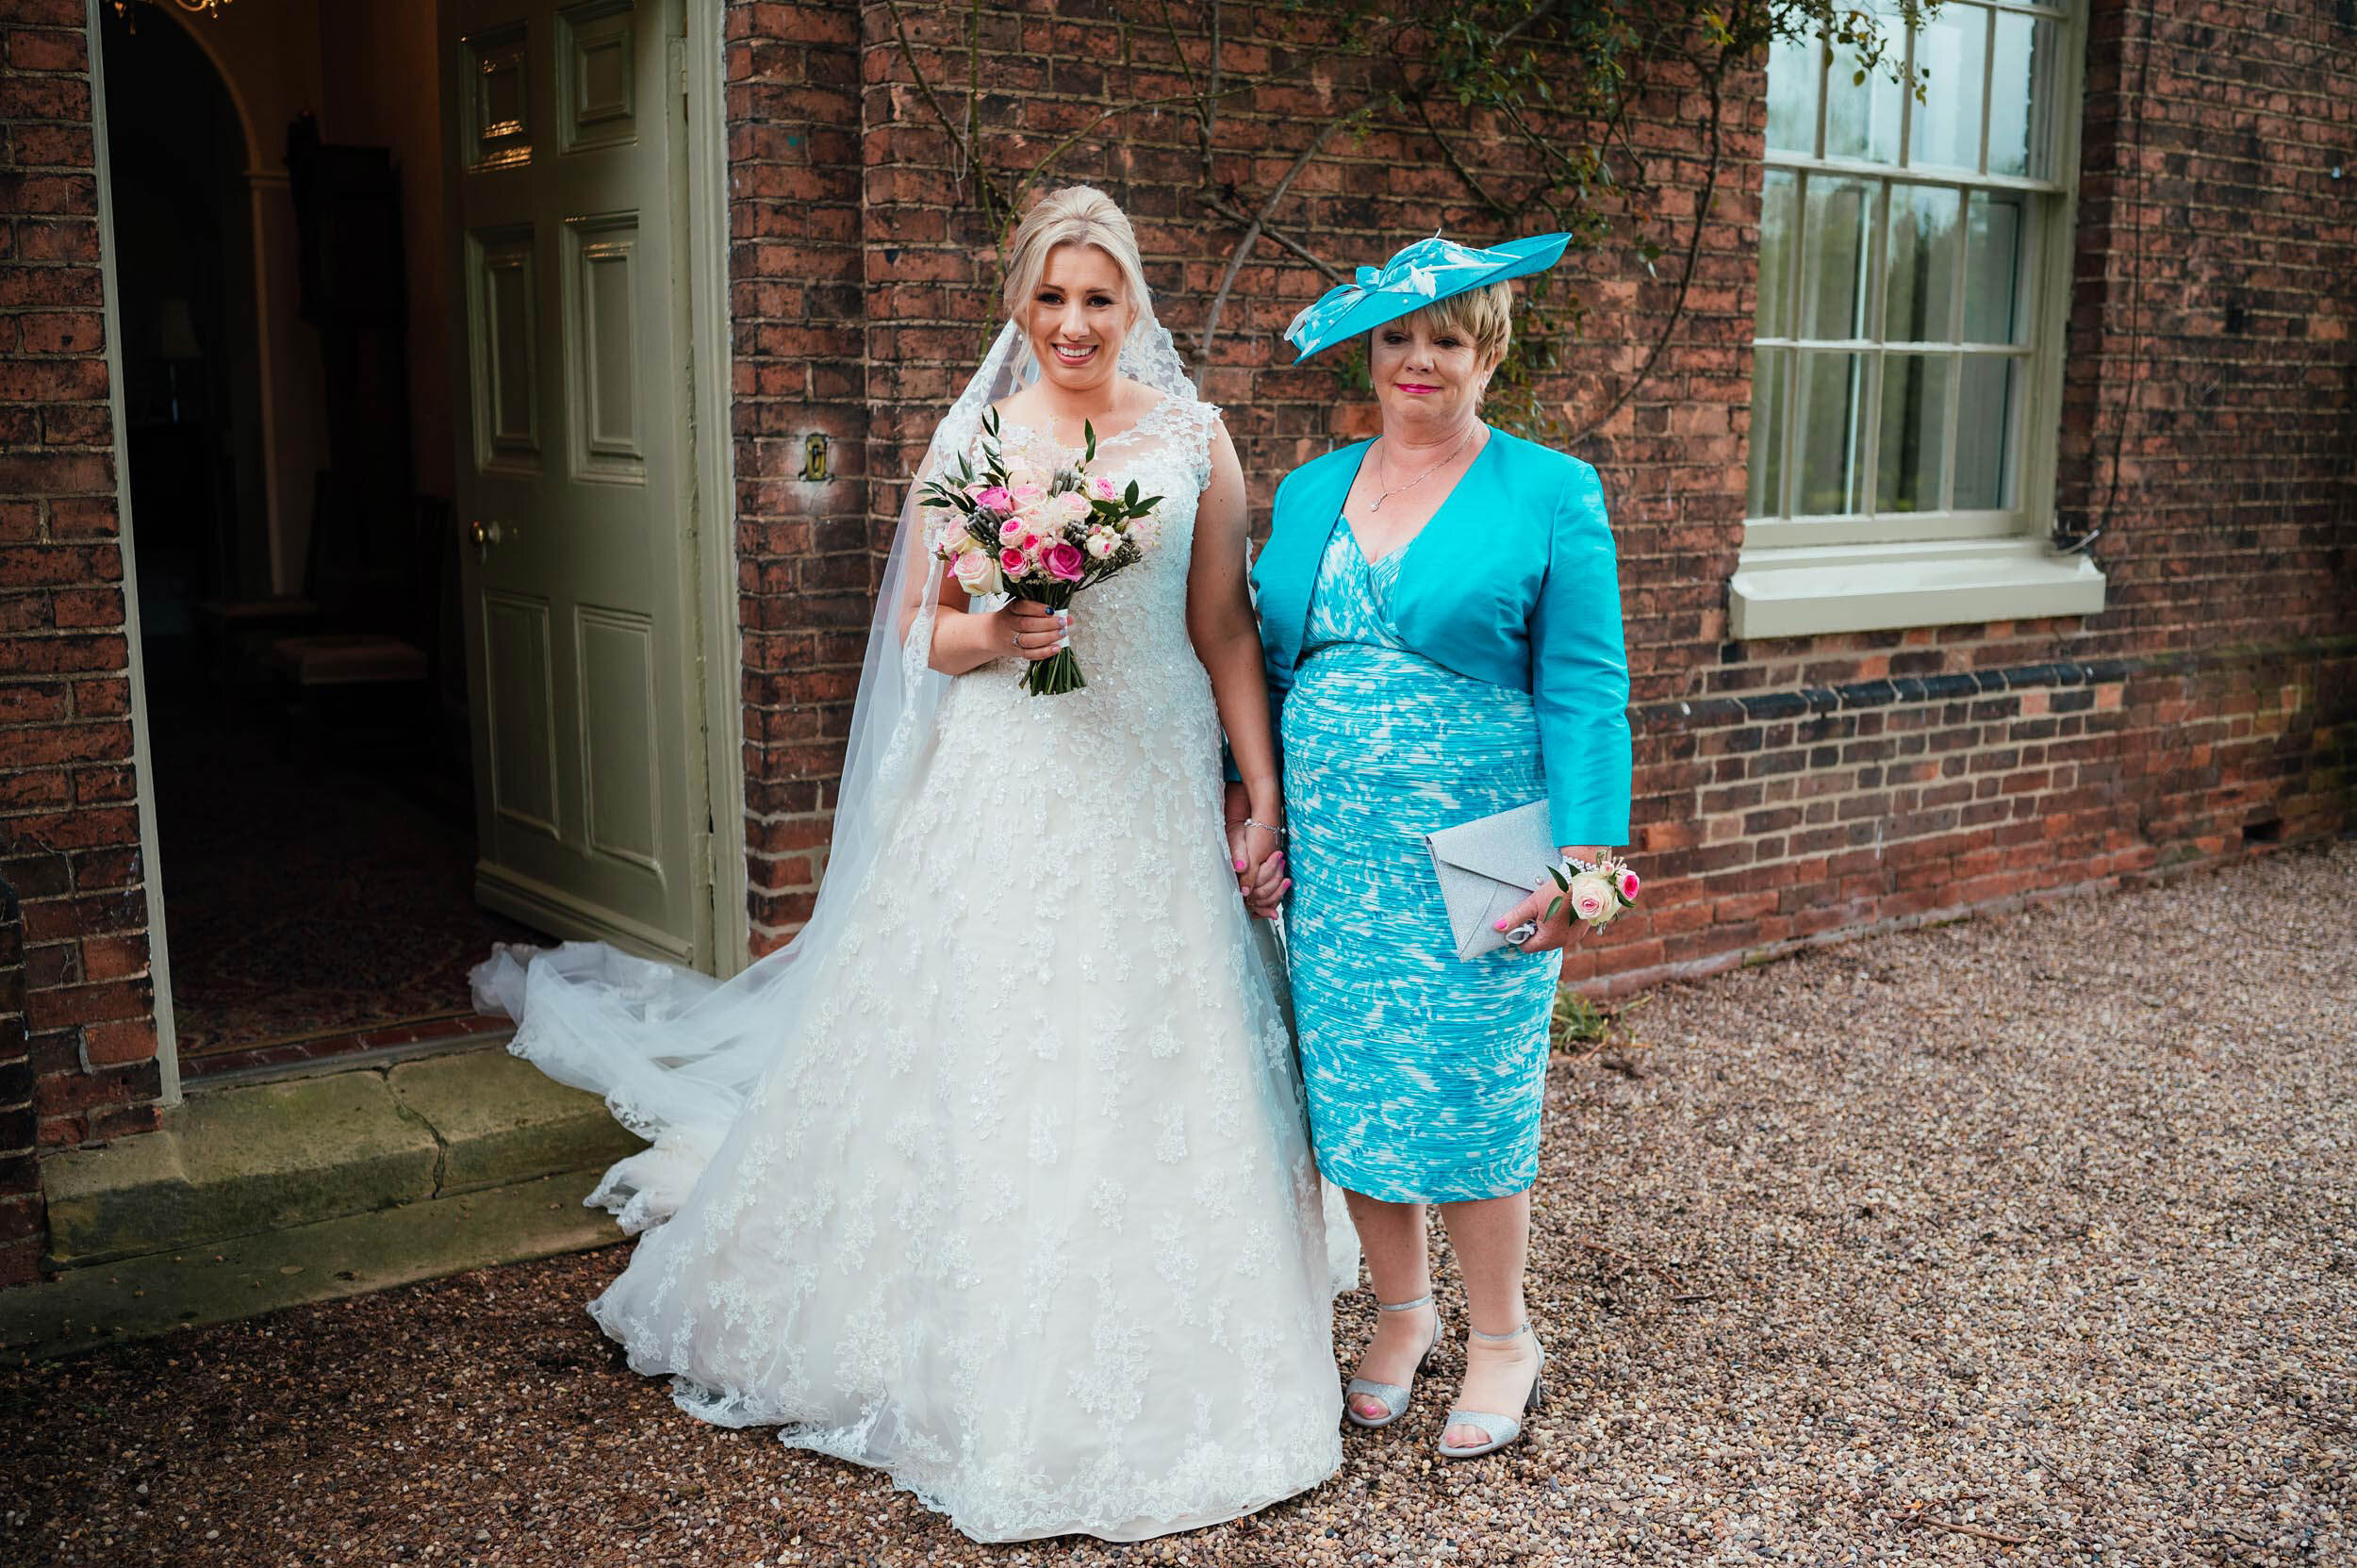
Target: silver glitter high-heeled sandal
[[1393, 1396], [1499, 1429]]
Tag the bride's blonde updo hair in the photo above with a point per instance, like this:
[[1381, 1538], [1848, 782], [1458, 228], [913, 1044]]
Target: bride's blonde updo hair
[[1076, 215]]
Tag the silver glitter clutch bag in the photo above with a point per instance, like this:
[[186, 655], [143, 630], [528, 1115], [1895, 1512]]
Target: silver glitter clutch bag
[[1486, 867]]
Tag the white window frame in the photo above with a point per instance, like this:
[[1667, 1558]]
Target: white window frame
[[1855, 572]]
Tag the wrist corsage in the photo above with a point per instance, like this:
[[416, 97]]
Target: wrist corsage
[[1596, 891]]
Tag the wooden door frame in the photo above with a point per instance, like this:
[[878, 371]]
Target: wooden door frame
[[712, 464], [142, 754]]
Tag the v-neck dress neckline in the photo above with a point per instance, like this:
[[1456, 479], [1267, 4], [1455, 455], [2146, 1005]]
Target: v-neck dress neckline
[[1447, 501]]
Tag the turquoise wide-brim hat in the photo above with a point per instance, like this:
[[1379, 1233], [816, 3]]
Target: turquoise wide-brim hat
[[1427, 271]]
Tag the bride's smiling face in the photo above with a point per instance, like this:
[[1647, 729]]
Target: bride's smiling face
[[1077, 316]]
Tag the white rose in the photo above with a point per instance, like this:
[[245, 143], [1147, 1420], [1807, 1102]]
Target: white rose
[[979, 576], [1068, 507], [1592, 898], [1102, 541]]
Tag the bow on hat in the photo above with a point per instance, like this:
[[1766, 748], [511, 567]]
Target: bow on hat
[[1419, 274]]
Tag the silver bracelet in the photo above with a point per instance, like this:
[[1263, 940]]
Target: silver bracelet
[[1266, 826]]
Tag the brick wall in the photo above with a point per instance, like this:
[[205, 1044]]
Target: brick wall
[[907, 232], [21, 1224], [2211, 326], [1786, 788], [69, 838], [796, 262], [1793, 788]]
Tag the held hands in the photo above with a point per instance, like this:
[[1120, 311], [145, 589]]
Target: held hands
[[1025, 629], [1258, 860], [1560, 929]]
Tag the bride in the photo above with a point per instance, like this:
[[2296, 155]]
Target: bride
[[997, 1178]]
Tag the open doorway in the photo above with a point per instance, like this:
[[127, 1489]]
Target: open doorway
[[276, 231], [418, 302]]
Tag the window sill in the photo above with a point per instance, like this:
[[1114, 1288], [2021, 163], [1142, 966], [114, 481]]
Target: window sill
[[1803, 590]]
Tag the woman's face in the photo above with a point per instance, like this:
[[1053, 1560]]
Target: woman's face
[[1426, 377], [1077, 318]]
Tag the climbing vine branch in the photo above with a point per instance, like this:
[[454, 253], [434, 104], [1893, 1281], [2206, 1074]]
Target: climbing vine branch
[[1542, 91]]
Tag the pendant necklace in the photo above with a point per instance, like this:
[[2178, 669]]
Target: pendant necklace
[[1378, 504]]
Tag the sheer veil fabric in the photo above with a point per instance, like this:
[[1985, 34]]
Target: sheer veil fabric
[[1002, 1186]]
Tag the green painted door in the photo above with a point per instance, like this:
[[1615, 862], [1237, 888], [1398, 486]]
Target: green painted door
[[568, 160]]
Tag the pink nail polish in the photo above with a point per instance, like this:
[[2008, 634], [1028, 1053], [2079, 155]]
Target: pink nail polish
[[1240, 865], [1500, 926]]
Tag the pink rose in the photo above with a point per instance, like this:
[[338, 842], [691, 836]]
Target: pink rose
[[1012, 561], [996, 499], [1628, 886], [1102, 488], [1065, 562]]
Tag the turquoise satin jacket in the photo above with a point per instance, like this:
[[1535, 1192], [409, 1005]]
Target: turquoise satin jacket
[[1514, 580]]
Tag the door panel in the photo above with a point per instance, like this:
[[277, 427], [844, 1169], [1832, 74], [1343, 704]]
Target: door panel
[[603, 350], [519, 709], [504, 356], [565, 129], [596, 85], [622, 784]]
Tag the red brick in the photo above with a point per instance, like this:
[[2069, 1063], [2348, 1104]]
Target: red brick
[[119, 1042], [47, 49], [81, 332]]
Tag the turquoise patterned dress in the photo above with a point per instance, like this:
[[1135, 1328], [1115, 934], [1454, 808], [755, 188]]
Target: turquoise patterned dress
[[1424, 1072]]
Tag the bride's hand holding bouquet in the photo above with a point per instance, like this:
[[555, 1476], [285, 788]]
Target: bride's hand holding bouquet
[[1042, 533]]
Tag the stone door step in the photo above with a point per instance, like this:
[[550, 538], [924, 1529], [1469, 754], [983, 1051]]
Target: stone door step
[[316, 1188], [85, 1309]]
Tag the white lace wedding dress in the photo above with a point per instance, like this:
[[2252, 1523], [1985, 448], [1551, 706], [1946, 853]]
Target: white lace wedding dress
[[1024, 1212]]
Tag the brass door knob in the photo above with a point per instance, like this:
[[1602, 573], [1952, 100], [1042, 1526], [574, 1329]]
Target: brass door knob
[[484, 535]]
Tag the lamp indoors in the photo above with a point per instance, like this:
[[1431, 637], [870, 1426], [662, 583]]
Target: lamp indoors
[[195, 8]]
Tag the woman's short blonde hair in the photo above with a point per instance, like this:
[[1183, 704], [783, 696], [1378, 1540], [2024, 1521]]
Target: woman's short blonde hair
[[1076, 215], [1484, 315]]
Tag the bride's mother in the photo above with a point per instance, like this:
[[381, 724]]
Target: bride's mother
[[1441, 616]]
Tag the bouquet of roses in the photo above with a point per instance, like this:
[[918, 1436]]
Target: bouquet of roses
[[1039, 532]]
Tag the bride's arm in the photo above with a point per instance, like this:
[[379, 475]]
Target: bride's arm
[[1227, 638]]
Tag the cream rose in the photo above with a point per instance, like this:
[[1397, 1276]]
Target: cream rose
[[1592, 898], [977, 574]]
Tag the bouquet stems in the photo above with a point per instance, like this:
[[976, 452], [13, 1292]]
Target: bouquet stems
[[1053, 677]]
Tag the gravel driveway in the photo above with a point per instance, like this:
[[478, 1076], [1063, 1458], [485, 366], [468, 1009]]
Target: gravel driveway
[[2029, 1239]]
